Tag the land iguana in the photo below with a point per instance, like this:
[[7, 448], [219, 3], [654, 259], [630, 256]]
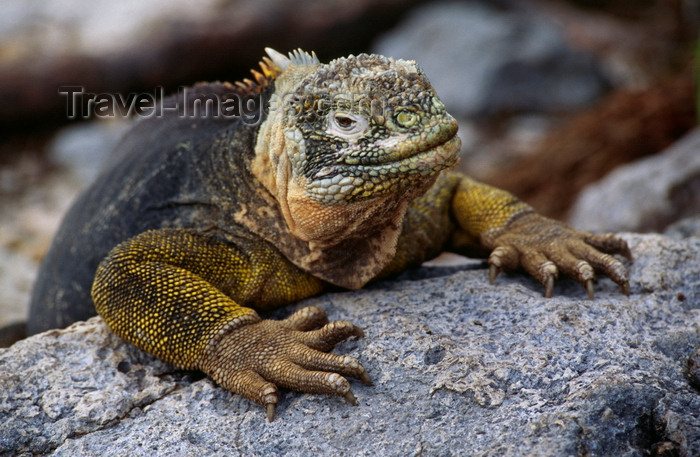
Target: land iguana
[[201, 220]]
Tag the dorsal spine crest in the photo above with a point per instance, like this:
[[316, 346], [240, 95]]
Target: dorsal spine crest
[[273, 65], [261, 79]]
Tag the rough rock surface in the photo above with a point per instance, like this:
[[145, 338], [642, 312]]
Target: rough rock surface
[[646, 195], [460, 368]]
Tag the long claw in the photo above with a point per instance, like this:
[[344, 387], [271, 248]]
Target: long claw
[[549, 287], [366, 380], [351, 398], [270, 407], [493, 272], [589, 288], [359, 332], [626, 289]]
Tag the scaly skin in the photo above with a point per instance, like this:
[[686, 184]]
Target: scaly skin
[[344, 182]]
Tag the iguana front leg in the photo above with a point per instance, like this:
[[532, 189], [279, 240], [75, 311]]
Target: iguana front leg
[[520, 238], [182, 296]]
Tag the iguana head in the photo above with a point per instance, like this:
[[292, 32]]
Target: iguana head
[[347, 145]]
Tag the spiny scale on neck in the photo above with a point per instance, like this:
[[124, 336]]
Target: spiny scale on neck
[[273, 65], [260, 80]]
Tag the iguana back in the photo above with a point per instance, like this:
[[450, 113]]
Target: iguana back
[[162, 174]]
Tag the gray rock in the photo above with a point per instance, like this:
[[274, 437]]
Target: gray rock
[[72, 382], [646, 195], [460, 368], [684, 228], [485, 60]]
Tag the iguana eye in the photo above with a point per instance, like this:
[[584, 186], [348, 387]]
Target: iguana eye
[[406, 119], [344, 122], [347, 125]]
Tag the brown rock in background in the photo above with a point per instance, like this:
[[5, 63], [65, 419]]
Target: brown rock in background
[[623, 127]]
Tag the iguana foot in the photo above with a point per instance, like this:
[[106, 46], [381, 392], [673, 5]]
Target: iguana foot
[[544, 247], [255, 359]]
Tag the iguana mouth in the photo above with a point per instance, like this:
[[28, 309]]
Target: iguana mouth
[[402, 148], [411, 161], [414, 158], [405, 153]]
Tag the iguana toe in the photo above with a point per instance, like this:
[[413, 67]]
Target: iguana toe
[[308, 318], [325, 338], [608, 242], [541, 268], [603, 261]]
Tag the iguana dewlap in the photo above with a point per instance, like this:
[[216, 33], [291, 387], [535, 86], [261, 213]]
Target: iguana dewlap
[[309, 176]]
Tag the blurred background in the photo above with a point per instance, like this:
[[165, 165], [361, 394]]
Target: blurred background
[[583, 108]]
